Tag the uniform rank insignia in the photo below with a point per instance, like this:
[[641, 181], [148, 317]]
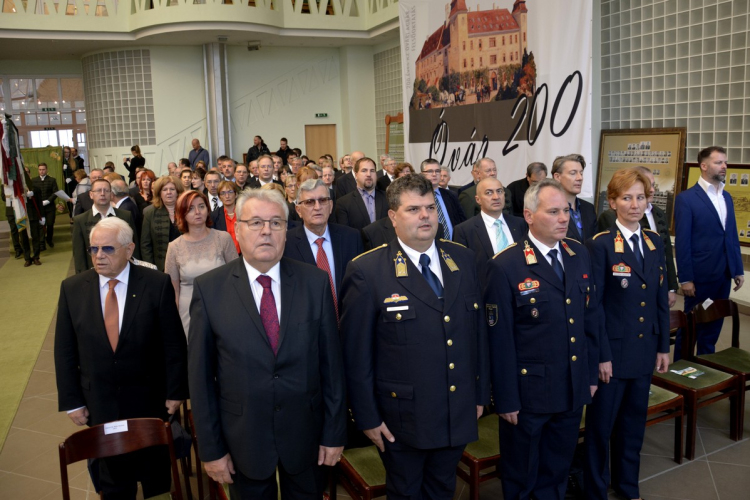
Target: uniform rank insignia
[[528, 252], [448, 261], [395, 299], [621, 270], [619, 248], [401, 271], [528, 285], [649, 243], [661, 279], [567, 248], [491, 310]]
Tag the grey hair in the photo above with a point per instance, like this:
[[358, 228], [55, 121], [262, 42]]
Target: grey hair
[[124, 231], [119, 188], [531, 198], [535, 168], [309, 185], [268, 195], [446, 169]]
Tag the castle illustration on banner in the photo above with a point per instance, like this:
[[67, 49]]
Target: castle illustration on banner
[[475, 57]]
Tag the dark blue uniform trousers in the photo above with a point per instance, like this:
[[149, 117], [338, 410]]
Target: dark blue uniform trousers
[[616, 417], [707, 334], [536, 454]]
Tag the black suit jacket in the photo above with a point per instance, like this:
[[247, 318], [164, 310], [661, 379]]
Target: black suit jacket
[[258, 407], [84, 203], [346, 243], [399, 339], [473, 235], [517, 191], [219, 221], [588, 219], [469, 204], [345, 184], [47, 189], [82, 225], [135, 213], [254, 183], [351, 210], [383, 182], [150, 363], [455, 212], [378, 233]]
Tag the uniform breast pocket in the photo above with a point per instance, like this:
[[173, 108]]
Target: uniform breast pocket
[[532, 307], [398, 325]]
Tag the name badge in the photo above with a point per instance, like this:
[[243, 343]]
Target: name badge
[[116, 427], [397, 308]]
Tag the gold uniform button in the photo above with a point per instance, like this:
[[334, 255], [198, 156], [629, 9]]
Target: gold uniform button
[[453, 388], [574, 358], [571, 321], [588, 289], [393, 394], [567, 301], [450, 342], [476, 306], [643, 286], [641, 319], [643, 304], [447, 319], [523, 371], [451, 366], [532, 301], [640, 336], [398, 316], [573, 339]]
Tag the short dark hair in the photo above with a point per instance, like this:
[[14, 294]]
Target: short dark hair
[[360, 161], [703, 154], [535, 168], [185, 161], [222, 158], [284, 139], [412, 182]]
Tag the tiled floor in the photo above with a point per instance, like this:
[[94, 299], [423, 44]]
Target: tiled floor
[[29, 467]]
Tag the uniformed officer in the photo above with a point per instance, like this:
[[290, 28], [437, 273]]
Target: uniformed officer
[[415, 347], [543, 339], [629, 274]]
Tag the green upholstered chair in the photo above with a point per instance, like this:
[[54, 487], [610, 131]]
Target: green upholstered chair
[[664, 405], [731, 360], [361, 473], [709, 388], [481, 455]]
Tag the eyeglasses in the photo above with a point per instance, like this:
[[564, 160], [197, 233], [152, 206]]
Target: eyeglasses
[[259, 224], [312, 201], [431, 172], [101, 191], [226, 193], [108, 250]]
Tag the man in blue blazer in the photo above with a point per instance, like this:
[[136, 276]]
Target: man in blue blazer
[[489, 232], [450, 213], [707, 245], [568, 171], [340, 243], [544, 347]]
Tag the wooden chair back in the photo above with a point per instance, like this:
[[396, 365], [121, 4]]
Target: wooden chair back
[[678, 320], [721, 308]]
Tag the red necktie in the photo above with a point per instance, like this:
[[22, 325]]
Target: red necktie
[[321, 259], [112, 315], [268, 315]]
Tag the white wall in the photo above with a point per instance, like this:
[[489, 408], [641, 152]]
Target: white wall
[[358, 99]]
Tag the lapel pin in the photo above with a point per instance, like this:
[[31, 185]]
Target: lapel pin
[[528, 252], [401, 271], [448, 261], [619, 248]]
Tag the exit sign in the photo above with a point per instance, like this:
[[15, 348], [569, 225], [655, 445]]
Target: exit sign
[[321, 115]]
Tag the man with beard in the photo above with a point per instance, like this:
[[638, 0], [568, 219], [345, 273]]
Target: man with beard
[[365, 204]]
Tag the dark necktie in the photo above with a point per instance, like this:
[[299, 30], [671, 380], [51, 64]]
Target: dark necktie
[[112, 315], [268, 315], [432, 280], [637, 250], [441, 218], [321, 260], [215, 203], [556, 266]]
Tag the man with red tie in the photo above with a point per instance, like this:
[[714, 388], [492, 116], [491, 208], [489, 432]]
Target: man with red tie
[[265, 367]]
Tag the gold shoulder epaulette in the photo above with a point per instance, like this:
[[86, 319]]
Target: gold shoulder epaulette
[[370, 251], [573, 239], [652, 231], [451, 241], [599, 234], [504, 249]]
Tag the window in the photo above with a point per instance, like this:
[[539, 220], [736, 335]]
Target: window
[[480, 44], [503, 57], [516, 55], [493, 59], [524, 37], [472, 62], [516, 38], [481, 63], [503, 39], [471, 44], [464, 63], [493, 42], [464, 44]]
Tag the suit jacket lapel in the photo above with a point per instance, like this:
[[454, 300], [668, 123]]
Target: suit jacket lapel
[[650, 259], [241, 283], [360, 202], [571, 270], [380, 204], [451, 280], [543, 269], [629, 257], [415, 282], [93, 296], [303, 246], [484, 237], [132, 300], [287, 300], [704, 197], [338, 251]]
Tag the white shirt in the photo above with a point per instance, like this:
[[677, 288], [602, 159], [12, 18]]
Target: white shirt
[[117, 205], [275, 274], [263, 183], [627, 234], [327, 248], [717, 198], [545, 250], [489, 223], [110, 211], [650, 217], [218, 203], [121, 290], [431, 252]]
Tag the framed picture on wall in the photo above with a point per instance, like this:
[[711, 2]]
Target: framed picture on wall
[[737, 184], [661, 150]]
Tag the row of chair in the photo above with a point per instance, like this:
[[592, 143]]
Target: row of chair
[[361, 472]]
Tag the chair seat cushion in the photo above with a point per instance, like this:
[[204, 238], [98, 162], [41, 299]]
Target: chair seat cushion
[[710, 376], [488, 444], [659, 396], [733, 358], [367, 463]]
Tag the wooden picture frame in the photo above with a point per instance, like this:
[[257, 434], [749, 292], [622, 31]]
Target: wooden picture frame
[[736, 175], [662, 150], [392, 119]]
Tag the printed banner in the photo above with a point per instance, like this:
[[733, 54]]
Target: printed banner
[[510, 80]]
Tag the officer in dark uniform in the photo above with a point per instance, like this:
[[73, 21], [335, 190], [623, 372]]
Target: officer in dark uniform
[[631, 285], [543, 339], [415, 347], [48, 187]]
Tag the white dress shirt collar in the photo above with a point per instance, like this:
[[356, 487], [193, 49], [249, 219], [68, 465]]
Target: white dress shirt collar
[[627, 234], [431, 252], [110, 211], [545, 249]]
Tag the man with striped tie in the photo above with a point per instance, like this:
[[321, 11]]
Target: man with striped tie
[[491, 231], [449, 211]]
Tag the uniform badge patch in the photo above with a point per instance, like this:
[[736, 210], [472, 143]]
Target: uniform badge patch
[[535, 313], [619, 248], [395, 299], [448, 261], [621, 270], [528, 284], [528, 252], [491, 311], [624, 283], [401, 271], [567, 248], [649, 243]]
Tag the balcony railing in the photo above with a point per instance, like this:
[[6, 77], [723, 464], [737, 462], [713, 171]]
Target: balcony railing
[[128, 16]]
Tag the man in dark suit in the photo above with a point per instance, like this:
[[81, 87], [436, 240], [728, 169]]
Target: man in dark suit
[[706, 242], [489, 232], [120, 353], [265, 173], [450, 213], [656, 220], [265, 367], [485, 167], [378, 233], [568, 171], [78, 159], [82, 224], [385, 180], [121, 199], [47, 187], [543, 345], [329, 174], [84, 202], [346, 183], [328, 246], [415, 347], [365, 204], [535, 172]]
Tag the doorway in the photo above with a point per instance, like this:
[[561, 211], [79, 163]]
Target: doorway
[[320, 140]]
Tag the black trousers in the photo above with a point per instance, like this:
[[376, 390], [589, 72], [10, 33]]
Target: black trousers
[[415, 474], [119, 476], [307, 485], [50, 212]]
